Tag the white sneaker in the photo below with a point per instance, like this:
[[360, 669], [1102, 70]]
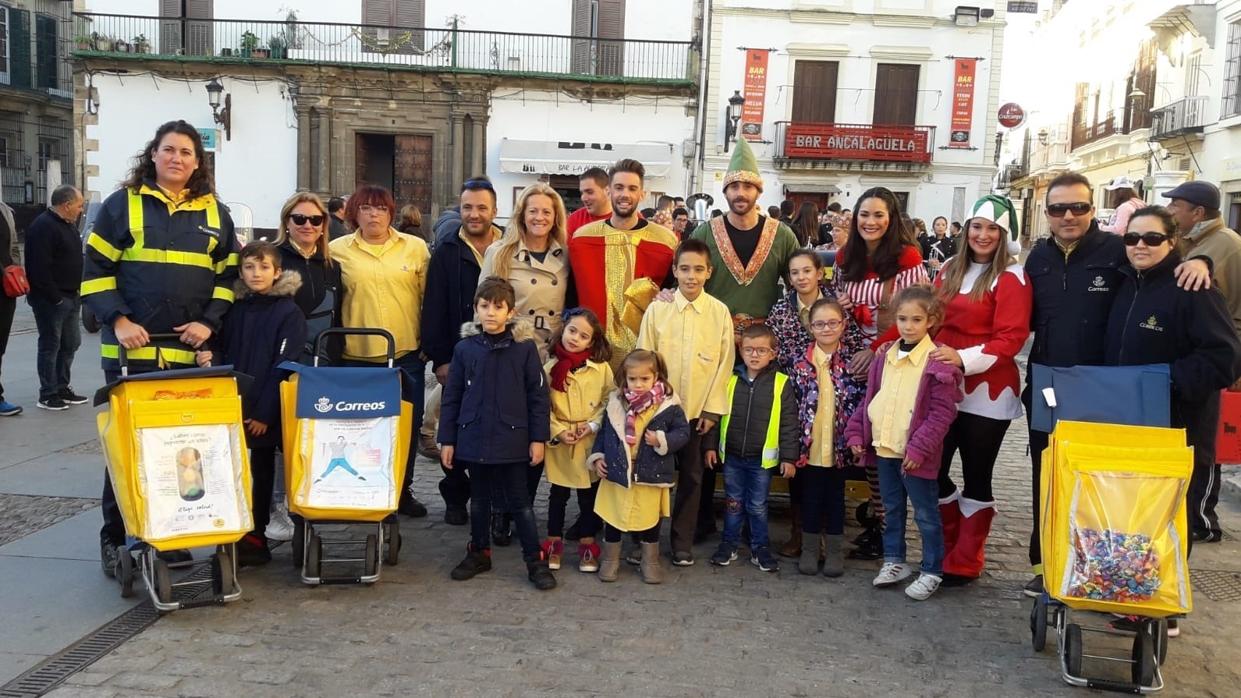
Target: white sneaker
[[923, 587], [280, 527], [891, 573]]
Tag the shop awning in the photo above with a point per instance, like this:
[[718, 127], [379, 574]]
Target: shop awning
[[572, 158], [811, 188]]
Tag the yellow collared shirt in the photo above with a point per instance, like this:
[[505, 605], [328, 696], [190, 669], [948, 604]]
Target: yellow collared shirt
[[383, 286], [696, 340], [825, 413], [893, 406], [803, 310]]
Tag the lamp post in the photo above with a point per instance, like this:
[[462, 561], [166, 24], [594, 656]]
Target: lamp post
[[734, 115], [224, 116]]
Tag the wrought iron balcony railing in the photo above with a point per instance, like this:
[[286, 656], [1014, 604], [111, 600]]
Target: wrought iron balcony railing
[[422, 48], [1181, 117]]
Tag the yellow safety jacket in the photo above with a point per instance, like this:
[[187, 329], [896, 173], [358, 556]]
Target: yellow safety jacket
[[771, 442]]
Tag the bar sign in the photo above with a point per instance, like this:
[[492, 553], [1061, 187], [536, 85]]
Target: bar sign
[[1030, 7]]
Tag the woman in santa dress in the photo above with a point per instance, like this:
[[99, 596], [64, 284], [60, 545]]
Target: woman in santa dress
[[987, 300]]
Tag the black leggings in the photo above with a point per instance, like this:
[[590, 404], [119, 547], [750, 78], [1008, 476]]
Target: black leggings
[[822, 497], [612, 534], [587, 521], [262, 482], [978, 439]]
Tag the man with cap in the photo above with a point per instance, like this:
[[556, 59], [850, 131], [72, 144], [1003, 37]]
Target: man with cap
[[749, 251], [1074, 277], [1124, 200], [987, 301], [1195, 207]]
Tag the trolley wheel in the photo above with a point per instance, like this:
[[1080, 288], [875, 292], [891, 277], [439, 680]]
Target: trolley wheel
[[299, 541], [865, 517], [223, 579], [1038, 624], [314, 555], [1073, 648], [372, 554], [392, 553], [163, 581], [1143, 654], [125, 571]]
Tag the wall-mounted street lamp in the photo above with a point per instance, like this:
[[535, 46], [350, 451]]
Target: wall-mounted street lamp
[[734, 115], [1042, 136], [223, 117]]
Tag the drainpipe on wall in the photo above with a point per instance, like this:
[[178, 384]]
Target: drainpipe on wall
[[700, 126]]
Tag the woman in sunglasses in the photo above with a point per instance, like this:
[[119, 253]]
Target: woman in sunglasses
[[1153, 321], [303, 245], [987, 301]]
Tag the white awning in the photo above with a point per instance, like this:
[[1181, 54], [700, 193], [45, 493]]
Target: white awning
[[795, 187], [573, 158]]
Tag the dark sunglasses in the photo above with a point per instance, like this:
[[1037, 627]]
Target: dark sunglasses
[[1151, 239], [300, 219], [1079, 208]]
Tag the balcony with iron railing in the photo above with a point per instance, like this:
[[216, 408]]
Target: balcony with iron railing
[[880, 147], [1084, 134], [450, 49], [1182, 117]]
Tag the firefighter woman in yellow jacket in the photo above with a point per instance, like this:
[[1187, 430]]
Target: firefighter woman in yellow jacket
[[160, 258]]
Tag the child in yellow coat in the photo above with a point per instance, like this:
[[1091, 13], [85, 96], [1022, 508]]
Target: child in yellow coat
[[581, 381]]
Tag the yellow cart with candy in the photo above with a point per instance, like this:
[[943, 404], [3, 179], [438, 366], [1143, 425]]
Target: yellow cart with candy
[[1114, 541]]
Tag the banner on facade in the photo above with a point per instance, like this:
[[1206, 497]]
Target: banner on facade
[[857, 142], [962, 102], [755, 93]]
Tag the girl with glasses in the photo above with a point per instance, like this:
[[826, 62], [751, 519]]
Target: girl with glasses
[[987, 299]]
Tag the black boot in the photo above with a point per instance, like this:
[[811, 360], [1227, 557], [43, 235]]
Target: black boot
[[539, 574], [501, 530], [475, 563], [869, 545]]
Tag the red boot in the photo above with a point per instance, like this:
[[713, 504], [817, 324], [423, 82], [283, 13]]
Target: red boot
[[967, 557], [950, 517]]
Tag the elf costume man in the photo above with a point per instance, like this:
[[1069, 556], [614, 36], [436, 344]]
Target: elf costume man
[[619, 263], [988, 300], [749, 251]]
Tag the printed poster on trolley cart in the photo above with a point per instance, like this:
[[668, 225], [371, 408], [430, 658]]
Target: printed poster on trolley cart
[[190, 478], [349, 430]]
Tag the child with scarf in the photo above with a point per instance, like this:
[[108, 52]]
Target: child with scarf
[[634, 453], [581, 381]]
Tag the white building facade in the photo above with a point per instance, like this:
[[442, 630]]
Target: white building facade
[[1222, 139], [857, 94]]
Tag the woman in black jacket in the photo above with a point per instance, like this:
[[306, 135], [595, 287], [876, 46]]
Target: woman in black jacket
[[1154, 321], [303, 244]]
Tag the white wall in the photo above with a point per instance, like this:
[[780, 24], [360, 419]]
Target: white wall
[[257, 168], [537, 116]]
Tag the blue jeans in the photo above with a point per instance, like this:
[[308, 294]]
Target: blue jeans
[[746, 482], [894, 487], [60, 335]]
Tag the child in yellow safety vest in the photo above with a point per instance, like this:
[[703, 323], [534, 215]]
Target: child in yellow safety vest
[[760, 433]]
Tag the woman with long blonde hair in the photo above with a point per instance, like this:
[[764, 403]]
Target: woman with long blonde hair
[[303, 245]]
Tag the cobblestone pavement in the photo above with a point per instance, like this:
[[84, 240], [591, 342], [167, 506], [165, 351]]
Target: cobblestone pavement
[[21, 515], [706, 631]]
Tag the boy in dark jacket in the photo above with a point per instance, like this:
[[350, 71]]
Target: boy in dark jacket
[[495, 420], [760, 433], [263, 329]]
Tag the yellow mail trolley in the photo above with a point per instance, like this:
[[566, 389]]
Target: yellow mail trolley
[[1114, 532], [175, 449], [346, 439]]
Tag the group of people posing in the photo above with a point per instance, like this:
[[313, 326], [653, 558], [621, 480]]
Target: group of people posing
[[629, 365]]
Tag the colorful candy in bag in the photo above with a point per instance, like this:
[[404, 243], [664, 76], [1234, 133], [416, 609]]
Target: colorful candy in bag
[[1113, 566]]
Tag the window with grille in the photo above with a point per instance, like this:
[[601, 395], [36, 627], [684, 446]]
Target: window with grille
[[1232, 72], [4, 45]]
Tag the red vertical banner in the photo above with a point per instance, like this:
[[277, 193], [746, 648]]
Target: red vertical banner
[[962, 102], [755, 93]]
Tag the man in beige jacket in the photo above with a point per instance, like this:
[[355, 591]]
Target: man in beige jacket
[[1195, 206]]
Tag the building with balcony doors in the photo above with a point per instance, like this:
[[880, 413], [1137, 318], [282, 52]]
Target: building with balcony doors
[[35, 108], [858, 93], [416, 95], [1222, 139]]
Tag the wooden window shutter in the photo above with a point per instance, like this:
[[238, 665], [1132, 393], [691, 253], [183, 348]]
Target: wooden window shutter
[[410, 15], [611, 26], [896, 94], [46, 65], [814, 91], [580, 49], [381, 15], [199, 29], [170, 29], [19, 48]]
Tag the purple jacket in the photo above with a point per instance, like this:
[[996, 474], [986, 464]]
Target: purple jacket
[[934, 410]]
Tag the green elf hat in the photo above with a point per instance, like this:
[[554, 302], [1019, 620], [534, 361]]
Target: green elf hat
[[999, 210], [743, 167]]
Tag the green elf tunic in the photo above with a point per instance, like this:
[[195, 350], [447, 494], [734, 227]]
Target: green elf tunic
[[749, 290]]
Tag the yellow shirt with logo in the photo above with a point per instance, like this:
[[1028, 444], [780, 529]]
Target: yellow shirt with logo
[[893, 405], [383, 286], [696, 340]]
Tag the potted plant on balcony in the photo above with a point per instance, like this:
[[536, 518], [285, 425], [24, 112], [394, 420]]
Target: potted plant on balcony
[[249, 42], [141, 45], [101, 42], [122, 46], [83, 42], [279, 47]]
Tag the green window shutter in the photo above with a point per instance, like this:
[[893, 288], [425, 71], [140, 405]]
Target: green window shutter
[[45, 52], [19, 48]]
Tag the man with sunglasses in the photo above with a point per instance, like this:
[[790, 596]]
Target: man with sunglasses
[[1195, 208], [449, 303], [1074, 276]]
